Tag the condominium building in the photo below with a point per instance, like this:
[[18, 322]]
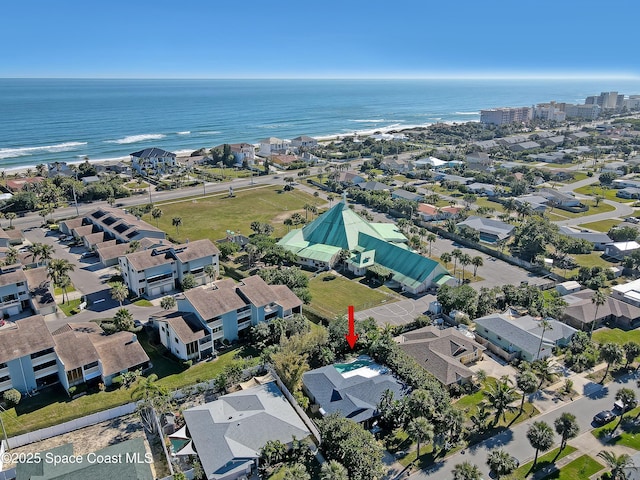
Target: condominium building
[[549, 111], [606, 100], [506, 115], [584, 112]]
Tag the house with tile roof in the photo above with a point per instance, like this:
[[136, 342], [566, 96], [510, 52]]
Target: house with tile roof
[[318, 245], [522, 337], [228, 310], [444, 353], [228, 433], [153, 161], [351, 389], [155, 271]]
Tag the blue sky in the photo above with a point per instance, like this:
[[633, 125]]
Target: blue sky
[[347, 38]]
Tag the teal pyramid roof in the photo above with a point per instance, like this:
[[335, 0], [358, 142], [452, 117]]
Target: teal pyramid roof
[[339, 227]]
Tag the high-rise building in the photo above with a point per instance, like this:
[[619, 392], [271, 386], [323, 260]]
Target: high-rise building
[[585, 112], [606, 100], [549, 111], [506, 115]]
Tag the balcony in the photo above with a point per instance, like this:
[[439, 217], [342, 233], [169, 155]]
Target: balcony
[[243, 325], [244, 314]]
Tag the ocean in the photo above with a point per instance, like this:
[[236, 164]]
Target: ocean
[[44, 120]]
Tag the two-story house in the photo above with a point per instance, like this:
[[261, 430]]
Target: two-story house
[[14, 291], [243, 152], [153, 161], [159, 270], [228, 309], [272, 145], [304, 141]]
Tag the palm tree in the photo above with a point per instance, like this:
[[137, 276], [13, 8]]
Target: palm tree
[[611, 353], [631, 351], [119, 292], [251, 250], [150, 397], [466, 471], [431, 238], [147, 388], [46, 252], [343, 256], [546, 325], [627, 397], [35, 249], [10, 216], [445, 258], [476, 262], [528, 383], [123, 320], [330, 198], [540, 436], [176, 222], [11, 256], [567, 427], [544, 371], [210, 272], [455, 254], [64, 282], [501, 462], [599, 298], [419, 429], [333, 470], [288, 222], [307, 208], [500, 396], [156, 213], [465, 260], [134, 246], [58, 272], [167, 303], [617, 463]]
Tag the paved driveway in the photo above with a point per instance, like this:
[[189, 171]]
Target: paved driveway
[[397, 313]]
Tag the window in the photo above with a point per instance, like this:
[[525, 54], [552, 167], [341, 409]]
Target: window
[[6, 378], [42, 353], [192, 348], [176, 339], [74, 375], [91, 365], [3, 365], [42, 366]]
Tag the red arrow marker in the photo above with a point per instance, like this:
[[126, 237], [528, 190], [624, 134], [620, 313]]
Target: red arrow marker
[[352, 338]]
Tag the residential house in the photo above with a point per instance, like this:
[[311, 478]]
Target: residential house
[[351, 178], [599, 240], [153, 161], [565, 288], [401, 194], [490, 230], [115, 166], [632, 182], [629, 193], [617, 168], [182, 333], [483, 189], [85, 353], [430, 162], [304, 141], [117, 224], [90, 179], [284, 160], [42, 301], [228, 434], [554, 141], [537, 203], [521, 147], [512, 140], [576, 136], [429, 213], [619, 250], [373, 186], [27, 357], [272, 145], [522, 337], [55, 169], [479, 161], [109, 254], [628, 292], [4, 239], [396, 165], [228, 309], [20, 184], [133, 463], [558, 198], [159, 270], [581, 312], [351, 389], [444, 353], [319, 243], [14, 291], [445, 177], [243, 152], [194, 160], [486, 144]]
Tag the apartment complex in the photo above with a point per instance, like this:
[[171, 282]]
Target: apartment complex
[[506, 115]]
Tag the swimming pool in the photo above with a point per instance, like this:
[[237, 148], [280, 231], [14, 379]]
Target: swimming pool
[[348, 367]]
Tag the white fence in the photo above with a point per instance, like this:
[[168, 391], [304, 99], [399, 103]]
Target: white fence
[[43, 434]]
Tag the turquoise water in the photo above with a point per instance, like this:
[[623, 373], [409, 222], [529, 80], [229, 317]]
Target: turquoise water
[[348, 367], [44, 120]]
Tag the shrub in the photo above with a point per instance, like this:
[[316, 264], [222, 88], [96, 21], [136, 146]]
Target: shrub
[[12, 397], [117, 381], [72, 390], [108, 328], [187, 363]]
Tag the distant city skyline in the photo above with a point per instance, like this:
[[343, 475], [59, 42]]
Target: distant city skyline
[[332, 39]]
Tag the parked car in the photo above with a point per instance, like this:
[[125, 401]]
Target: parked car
[[619, 408], [603, 417], [88, 254]]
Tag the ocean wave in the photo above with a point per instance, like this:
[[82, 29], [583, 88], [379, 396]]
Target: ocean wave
[[26, 151], [274, 125], [368, 120], [467, 113], [186, 132], [137, 138], [212, 132]]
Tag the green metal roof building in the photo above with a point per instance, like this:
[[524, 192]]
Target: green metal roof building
[[319, 243]]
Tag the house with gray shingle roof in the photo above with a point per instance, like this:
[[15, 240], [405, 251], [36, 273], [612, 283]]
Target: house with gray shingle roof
[[352, 389], [598, 239], [153, 161], [444, 353], [522, 337], [490, 230], [228, 433], [581, 312]]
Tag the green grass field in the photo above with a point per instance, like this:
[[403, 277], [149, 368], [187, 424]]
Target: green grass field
[[608, 193], [543, 461], [332, 296], [627, 434], [210, 217], [602, 225], [70, 308], [582, 467], [602, 208], [615, 335]]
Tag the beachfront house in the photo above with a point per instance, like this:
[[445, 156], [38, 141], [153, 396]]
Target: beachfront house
[[243, 152], [153, 161], [272, 145], [304, 142]]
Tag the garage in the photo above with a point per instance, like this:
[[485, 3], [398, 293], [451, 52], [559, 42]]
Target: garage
[[155, 292]]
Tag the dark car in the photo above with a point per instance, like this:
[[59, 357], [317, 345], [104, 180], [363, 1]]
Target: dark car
[[603, 417], [619, 407]]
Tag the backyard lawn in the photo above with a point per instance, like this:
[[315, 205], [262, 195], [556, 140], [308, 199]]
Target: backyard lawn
[[211, 216], [543, 461], [616, 335], [602, 225], [608, 193], [581, 467], [332, 294]]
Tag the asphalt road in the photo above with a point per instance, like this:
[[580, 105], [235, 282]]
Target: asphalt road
[[596, 398]]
